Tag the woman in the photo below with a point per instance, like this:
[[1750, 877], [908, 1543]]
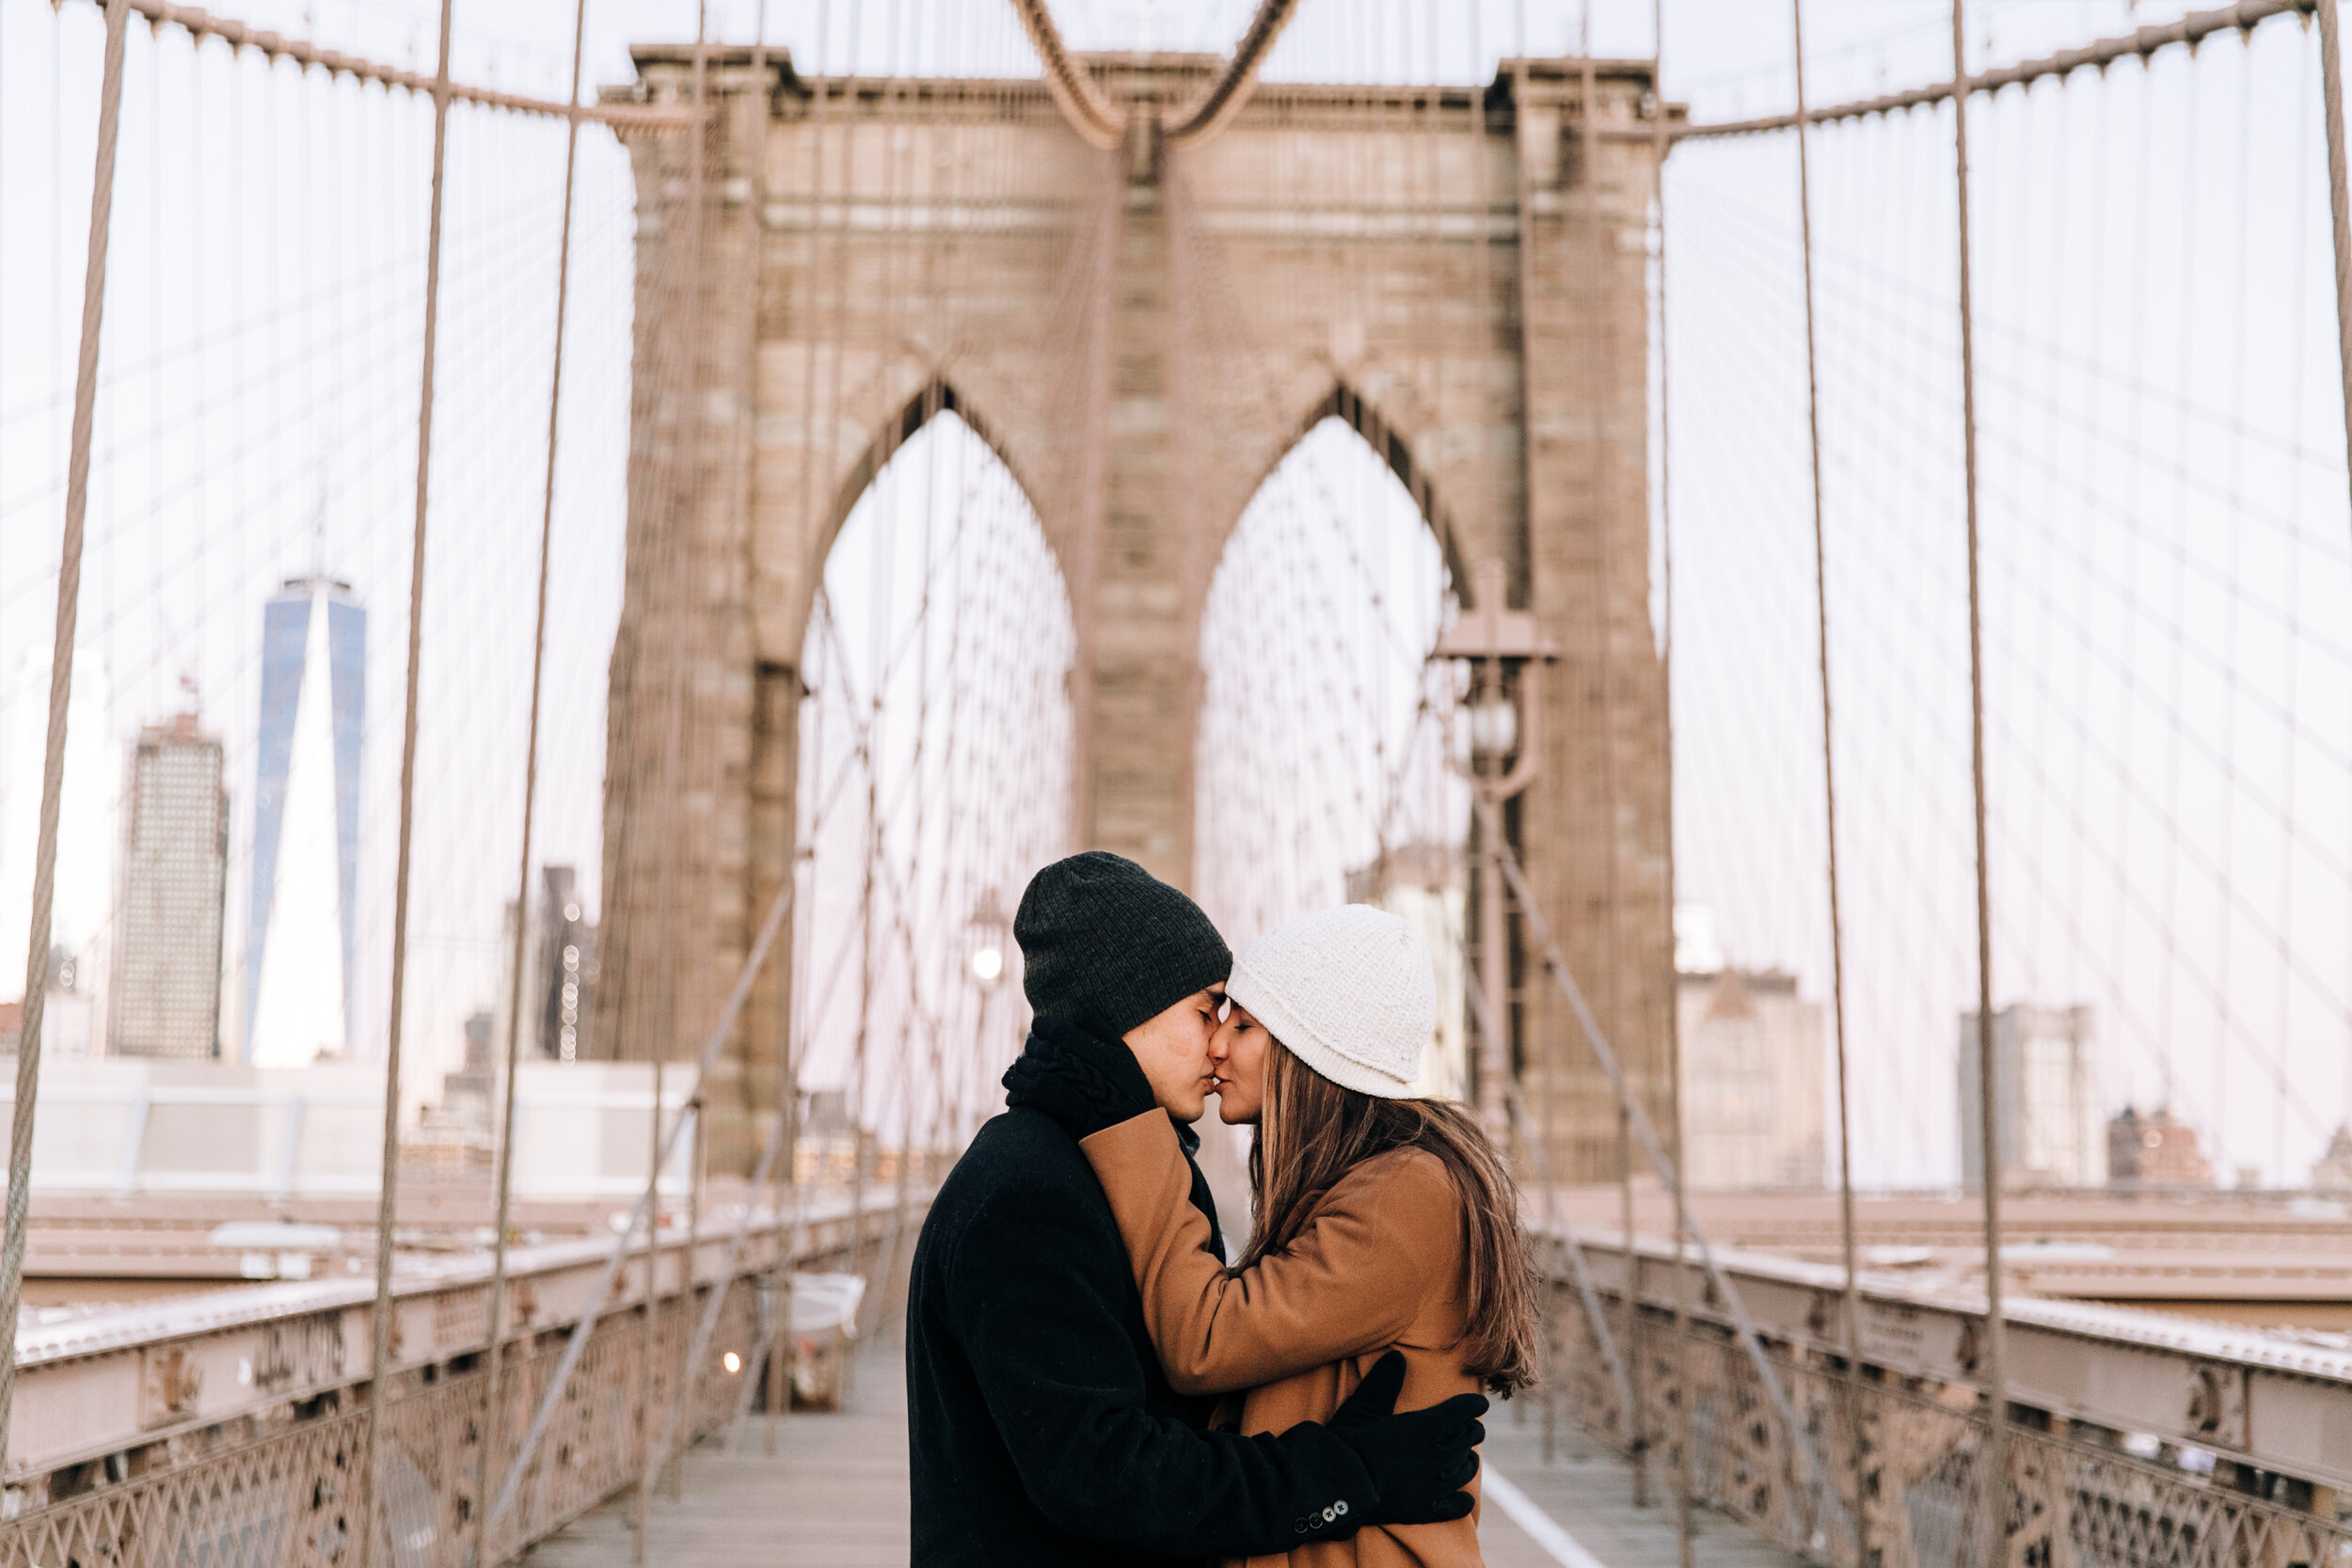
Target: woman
[[1383, 1220]]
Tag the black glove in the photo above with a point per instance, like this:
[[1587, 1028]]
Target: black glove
[[1420, 1461], [1084, 1082]]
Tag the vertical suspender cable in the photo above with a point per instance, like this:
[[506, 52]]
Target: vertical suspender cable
[[763, 1359], [2339, 202], [493, 1409], [683, 520], [387, 1197], [60, 688], [1684, 1477], [1851, 1337], [698, 1151], [1497, 1071], [1598, 389], [1493, 1019], [1993, 1502], [820, 90], [1494, 1013]]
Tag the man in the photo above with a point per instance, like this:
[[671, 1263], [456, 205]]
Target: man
[[1042, 1431]]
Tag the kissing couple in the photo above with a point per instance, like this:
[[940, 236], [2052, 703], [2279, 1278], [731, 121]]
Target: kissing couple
[[1090, 1383]]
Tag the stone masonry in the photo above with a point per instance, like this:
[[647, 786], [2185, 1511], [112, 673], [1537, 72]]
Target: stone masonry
[[1140, 334]]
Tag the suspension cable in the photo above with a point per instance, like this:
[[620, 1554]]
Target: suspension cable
[[681, 519], [1532, 1140], [494, 1406], [388, 1194], [1081, 99], [60, 692], [1995, 1474], [1235, 85], [1684, 1470], [1852, 1314], [201, 24], [640, 1217], [1103, 124], [2339, 200], [2192, 30], [1599, 373]]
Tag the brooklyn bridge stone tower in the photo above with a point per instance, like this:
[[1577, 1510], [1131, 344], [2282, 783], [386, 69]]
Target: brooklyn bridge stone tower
[[1140, 331]]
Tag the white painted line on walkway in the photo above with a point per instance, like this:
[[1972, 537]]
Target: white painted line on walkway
[[1564, 1548]]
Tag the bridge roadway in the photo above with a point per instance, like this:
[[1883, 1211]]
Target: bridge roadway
[[835, 1495]]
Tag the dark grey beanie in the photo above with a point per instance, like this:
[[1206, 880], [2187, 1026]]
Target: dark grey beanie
[[1107, 945]]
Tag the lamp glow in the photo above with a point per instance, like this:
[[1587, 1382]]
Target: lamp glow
[[733, 1362], [1494, 725], [988, 964]]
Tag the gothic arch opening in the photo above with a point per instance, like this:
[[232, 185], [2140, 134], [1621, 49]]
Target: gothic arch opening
[[1322, 771], [932, 779]]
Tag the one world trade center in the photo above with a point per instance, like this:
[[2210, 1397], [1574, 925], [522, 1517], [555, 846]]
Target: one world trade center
[[306, 825]]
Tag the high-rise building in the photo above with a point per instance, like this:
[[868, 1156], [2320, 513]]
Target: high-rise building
[[2155, 1148], [469, 1094], [69, 1013], [82, 905], [2332, 1171], [566, 968], [559, 971], [300, 934], [175, 867], [1751, 1074], [2049, 1124]]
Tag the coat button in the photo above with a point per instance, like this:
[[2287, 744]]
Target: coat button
[[1340, 1507], [1301, 1528]]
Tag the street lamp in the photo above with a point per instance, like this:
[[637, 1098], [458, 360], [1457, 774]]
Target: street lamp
[[987, 932], [1494, 721], [1505, 651]]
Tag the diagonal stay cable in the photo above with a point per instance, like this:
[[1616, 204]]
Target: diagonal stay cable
[[1586, 1290], [1749, 1341], [703, 1330], [642, 1216]]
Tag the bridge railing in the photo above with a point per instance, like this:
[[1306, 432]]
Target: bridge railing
[[2133, 1439], [230, 1430]]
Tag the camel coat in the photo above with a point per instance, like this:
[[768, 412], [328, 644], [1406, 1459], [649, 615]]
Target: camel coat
[[1378, 1267]]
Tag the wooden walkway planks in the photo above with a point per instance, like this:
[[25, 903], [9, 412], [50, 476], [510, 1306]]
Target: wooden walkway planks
[[1587, 1491], [835, 1495]]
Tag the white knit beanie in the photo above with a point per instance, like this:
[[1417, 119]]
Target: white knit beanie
[[1350, 991]]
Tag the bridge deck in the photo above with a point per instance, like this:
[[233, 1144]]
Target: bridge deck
[[836, 1495]]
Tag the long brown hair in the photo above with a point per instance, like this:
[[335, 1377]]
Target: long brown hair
[[1311, 1132]]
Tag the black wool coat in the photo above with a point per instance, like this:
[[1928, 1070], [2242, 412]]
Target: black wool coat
[[1042, 1431]]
